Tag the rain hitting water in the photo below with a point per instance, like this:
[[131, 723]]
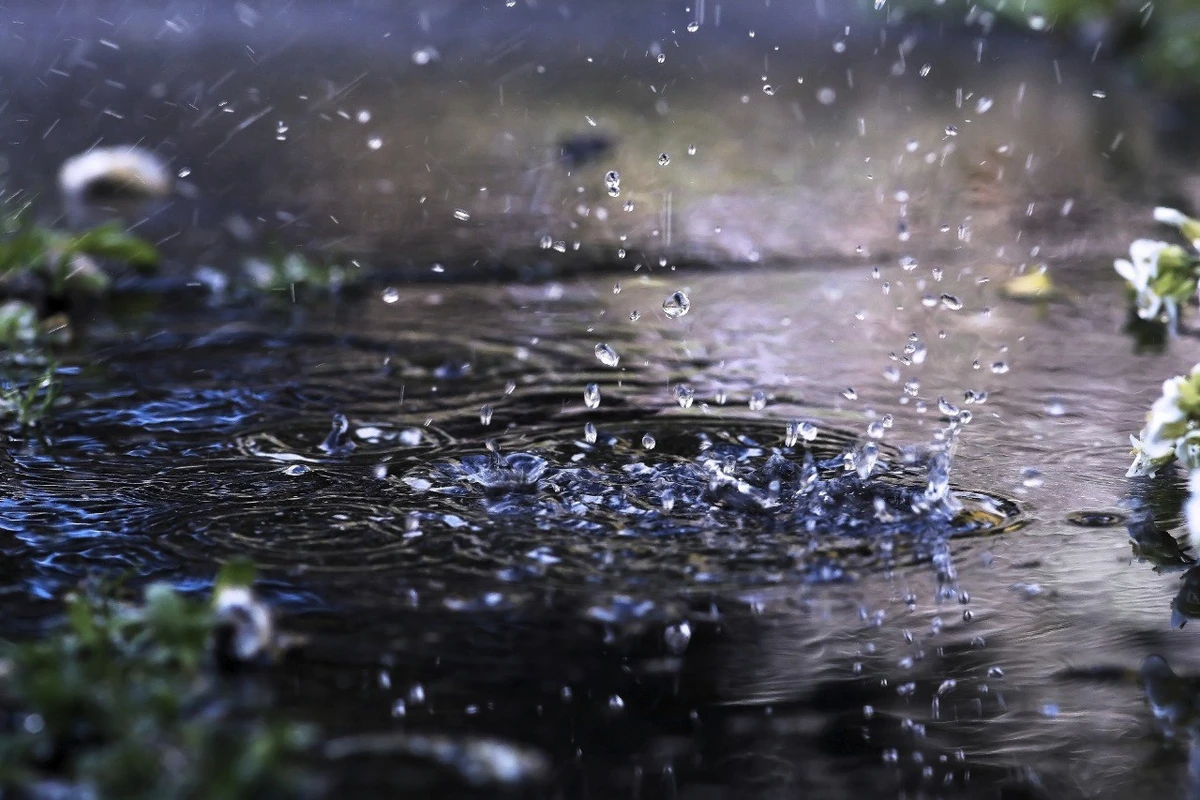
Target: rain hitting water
[[646, 426]]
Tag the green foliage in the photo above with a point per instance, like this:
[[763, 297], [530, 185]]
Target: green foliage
[[64, 259], [29, 403], [126, 700], [285, 271], [1167, 32]]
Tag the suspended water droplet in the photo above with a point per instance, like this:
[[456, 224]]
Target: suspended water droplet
[[849, 393], [808, 431], [589, 433], [875, 430], [999, 367], [391, 295], [692, 27], [461, 214], [947, 408], [664, 159], [648, 441], [952, 302], [485, 414], [792, 434], [296, 469], [628, 206], [758, 400], [634, 316], [607, 356], [691, 150], [591, 395], [677, 637], [768, 89], [612, 179], [676, 305], [685, 395], [375, 142]]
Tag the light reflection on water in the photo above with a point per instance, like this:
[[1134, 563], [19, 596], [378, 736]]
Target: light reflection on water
[[172, 453]]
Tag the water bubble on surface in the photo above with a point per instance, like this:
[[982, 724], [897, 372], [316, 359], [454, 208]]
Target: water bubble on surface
[[758, 400], [676, 305], [684, 395], [607, 355], [591, 395]]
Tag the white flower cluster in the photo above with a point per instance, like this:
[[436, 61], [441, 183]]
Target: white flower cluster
[[1162, 275], [1172, 428]]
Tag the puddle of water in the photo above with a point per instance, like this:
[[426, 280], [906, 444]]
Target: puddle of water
[[579, 516], [632, 612]]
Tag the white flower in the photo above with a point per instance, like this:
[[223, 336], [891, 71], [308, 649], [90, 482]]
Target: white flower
[[1140, 272], [1170, 216], [1191, 510]]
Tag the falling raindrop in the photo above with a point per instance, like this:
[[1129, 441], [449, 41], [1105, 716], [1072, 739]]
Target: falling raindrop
[[951, 302], [676, 305], [677, 637], [792, 435], [591, 395], [608, 357]]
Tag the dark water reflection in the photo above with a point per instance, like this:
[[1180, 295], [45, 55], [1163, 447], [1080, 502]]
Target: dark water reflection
[[701, 650]]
